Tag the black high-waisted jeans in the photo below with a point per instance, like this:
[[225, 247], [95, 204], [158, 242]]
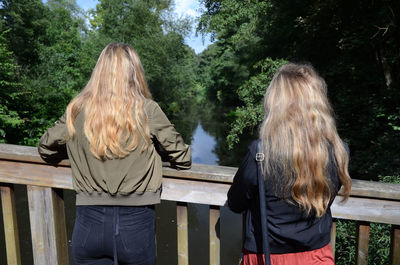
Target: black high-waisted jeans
[[123, 235]]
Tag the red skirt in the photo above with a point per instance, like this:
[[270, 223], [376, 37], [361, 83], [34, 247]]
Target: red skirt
[[321, 256]]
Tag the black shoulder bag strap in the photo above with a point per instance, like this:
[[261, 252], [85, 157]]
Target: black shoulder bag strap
[[263, 212]]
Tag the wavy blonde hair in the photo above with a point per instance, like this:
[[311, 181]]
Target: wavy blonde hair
[[298, 133], [113, 104]]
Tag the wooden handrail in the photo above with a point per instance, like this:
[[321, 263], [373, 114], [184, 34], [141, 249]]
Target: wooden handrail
[[369, 202], [222, 174]]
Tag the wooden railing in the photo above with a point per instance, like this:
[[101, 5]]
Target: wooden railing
[[369, 202]]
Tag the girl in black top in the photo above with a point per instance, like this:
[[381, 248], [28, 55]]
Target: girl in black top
[[305, 165]]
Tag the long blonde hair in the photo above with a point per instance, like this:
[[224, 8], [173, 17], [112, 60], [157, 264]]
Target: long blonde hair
[[112, 102], [298, 134]]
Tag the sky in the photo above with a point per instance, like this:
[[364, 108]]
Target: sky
[[182, 8]]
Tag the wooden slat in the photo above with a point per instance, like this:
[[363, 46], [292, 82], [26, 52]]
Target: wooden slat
[[194, 191], [333, 237], [22, 153], [10, 225], [44, 230], [182, 230], [371, 189], [35, 174], [214, 235], [362, 243], [395, 245], [203, 172], [364, 209], [60, 226]]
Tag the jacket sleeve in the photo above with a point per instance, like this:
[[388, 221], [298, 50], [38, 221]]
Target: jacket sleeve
[[167, 140], [52, 144], [244, 184]]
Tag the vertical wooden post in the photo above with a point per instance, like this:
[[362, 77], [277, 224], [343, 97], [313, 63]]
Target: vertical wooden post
[[10, 224], [395, 245], [182, 223], [214, 235], [47, 217], [362, 243], [60, 226], [333, 237]]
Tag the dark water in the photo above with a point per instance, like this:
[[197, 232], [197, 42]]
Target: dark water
[[205, 150], [203, 145]]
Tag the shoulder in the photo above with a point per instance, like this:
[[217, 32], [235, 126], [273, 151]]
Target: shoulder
[[149, 104], [249, 159], [151, 107]]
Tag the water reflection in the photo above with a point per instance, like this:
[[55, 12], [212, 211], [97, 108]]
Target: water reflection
[[203, 145]]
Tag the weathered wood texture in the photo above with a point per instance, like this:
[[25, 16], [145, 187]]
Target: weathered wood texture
[[60, 226], [371, 189], [395, 245], [35, 174], [366, 209], [22, 153], [196, 191], [10, 224], [214, 235], [182, 230], [362, 243], [48, 238]]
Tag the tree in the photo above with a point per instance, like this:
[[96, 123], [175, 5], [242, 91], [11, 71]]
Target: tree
[[9, 90], [47, 41], [354, 45], [27, 21], [147, 26]]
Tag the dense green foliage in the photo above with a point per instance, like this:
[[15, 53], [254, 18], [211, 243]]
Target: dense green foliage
[[353, 44], [47, 49], [9, 88], [47, 52]]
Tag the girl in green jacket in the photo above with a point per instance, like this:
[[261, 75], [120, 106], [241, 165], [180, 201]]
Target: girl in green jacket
[[112, 132]]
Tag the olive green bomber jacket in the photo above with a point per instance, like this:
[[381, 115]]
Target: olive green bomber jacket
[[132, 180]]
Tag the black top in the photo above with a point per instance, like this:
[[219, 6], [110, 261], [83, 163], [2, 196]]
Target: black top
[[289, 229]]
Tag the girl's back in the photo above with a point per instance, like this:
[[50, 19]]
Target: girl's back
[[304, 167]]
